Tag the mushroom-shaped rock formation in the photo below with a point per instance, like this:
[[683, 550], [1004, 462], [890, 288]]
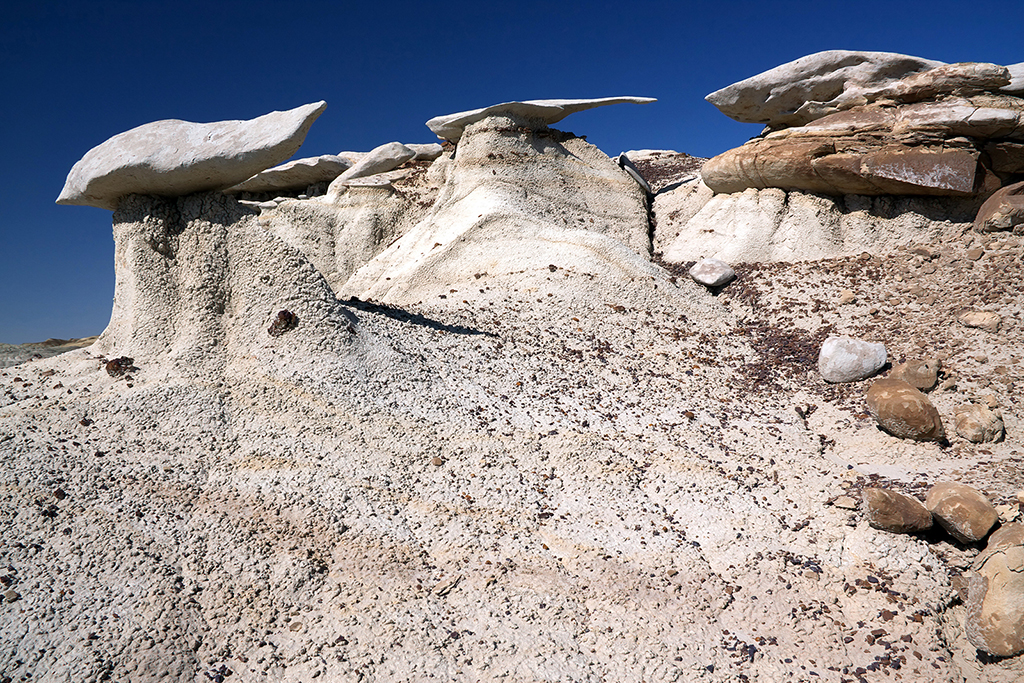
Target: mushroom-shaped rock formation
[[800, 91], [452, 126], [174, 158], [294, 175], [517, 197]]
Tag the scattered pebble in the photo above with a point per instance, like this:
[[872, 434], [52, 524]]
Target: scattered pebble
[[712, 273], [984, 320]]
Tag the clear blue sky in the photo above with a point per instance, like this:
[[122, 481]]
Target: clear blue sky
[[73, 74]]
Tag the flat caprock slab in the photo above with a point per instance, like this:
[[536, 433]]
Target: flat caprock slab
[[451, 126], [173, 158]]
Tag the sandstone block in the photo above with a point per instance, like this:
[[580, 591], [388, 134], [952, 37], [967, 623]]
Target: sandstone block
[[978, 424], [381, 159], [961, 510], [425, 152], [843, 359], [984, 320], [1016, 85], [922, 171], [808, 88], [817, 164], [175, 158], [963, 78], [920, 374], [903, 411], [545, 112], [1006, 157], [894, 512], [1004, 210], [995, 599]]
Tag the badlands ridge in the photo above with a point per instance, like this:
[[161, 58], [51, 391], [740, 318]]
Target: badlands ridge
[[505, 408]]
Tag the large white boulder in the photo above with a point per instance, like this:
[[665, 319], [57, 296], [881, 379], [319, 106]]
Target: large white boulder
[[808, 88], [547, 112], [173, 158]]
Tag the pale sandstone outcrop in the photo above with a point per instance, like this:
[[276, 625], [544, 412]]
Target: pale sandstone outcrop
[[341, 233], [530, 112], [294, 175], [815, 85], [198, 281], [1016, 85], [776, 225], [175, 158], [382, 159]]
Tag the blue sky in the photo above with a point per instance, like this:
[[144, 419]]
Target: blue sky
[[76, 73]]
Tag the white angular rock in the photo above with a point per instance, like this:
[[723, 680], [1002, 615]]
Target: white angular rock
[[174, 158], [381, 159], [712, 273], [808, 88], [546, 112], [1016, 86], [425, 152], [629, 167], [294, 175], [844, 359]]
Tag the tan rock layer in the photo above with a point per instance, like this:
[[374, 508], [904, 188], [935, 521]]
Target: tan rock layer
[[925, 148]]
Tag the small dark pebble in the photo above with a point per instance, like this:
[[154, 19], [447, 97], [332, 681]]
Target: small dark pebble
[[120, 366], [285, 321]]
